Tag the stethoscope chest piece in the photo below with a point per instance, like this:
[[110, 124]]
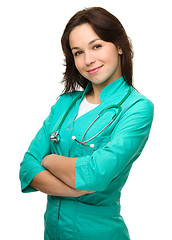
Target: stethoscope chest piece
[[55, 137]]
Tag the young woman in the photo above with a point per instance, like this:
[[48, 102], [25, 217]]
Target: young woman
[[82, 155]]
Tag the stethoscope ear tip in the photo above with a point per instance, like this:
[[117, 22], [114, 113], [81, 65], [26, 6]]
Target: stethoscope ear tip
[[91, 145]]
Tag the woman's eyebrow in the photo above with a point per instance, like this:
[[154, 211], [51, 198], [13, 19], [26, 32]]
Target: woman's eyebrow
[[88, 44]]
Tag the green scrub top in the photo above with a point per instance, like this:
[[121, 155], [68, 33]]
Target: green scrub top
[[104, 168]]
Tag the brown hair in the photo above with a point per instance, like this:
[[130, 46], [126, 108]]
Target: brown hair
[[109, 29]]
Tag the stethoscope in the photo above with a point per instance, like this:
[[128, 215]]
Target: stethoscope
[[55, 136]]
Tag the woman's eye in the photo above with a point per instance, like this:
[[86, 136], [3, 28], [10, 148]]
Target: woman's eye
[[96, 46], [77, 53]]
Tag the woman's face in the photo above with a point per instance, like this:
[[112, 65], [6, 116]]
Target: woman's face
[[95, 59]]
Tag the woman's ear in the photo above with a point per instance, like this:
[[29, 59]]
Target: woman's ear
[[120, 51]]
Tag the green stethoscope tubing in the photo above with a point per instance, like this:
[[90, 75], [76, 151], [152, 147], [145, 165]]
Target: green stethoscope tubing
[[55, 136]]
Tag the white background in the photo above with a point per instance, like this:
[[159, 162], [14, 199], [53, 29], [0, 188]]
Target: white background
[[31, 67]]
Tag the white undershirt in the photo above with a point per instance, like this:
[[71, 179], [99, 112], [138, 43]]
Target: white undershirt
[[85, 107]]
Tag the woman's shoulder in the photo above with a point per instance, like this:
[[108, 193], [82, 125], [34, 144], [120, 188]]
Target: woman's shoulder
[[70, 95], [140, 99], [66, 98], [139, 103], [64, 101]]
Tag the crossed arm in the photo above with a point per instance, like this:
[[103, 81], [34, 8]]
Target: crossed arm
[[59, 178], [61, 167]]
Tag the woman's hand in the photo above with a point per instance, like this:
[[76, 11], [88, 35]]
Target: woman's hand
[[78, 193]]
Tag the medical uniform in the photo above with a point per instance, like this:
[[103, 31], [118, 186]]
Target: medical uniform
[[103, 168]]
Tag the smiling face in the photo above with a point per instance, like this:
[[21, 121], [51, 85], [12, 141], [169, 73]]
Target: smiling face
[[95, 59]]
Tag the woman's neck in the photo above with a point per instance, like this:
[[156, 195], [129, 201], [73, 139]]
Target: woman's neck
[[93, 98], [94, 95]]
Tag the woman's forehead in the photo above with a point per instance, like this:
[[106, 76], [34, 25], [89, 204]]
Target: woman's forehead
[[82, 34]]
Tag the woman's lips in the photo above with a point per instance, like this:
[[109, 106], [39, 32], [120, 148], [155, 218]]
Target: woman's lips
[[94, 70]]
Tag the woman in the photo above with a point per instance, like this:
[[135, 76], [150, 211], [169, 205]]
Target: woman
[[82, 155]]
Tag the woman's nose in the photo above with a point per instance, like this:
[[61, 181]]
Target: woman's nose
[[89, 58]]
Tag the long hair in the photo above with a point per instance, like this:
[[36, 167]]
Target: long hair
[[109, 29]]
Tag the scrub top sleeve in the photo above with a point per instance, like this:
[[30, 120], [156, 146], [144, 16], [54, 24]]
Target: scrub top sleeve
[[38, 149], [96, 171]]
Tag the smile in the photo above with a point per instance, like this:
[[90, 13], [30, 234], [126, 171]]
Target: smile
[[94, 70]]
